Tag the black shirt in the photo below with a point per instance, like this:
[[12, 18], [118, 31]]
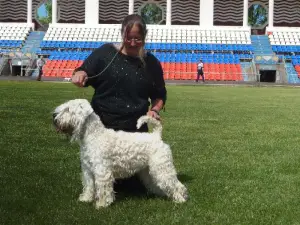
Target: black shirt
[[123, 90]]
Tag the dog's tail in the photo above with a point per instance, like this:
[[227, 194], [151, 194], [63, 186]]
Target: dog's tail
[[157, 127]]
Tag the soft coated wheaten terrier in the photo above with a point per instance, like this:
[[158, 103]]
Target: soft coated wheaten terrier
[[107, 154]]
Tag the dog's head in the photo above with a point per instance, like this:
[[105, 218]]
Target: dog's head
[[69, 117]]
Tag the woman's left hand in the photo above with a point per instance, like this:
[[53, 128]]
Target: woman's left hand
[[153, 114]]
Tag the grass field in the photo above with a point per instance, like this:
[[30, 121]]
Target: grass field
[[236, 148]]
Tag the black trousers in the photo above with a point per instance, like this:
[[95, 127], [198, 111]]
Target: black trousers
[[200, 73], [40, 74]]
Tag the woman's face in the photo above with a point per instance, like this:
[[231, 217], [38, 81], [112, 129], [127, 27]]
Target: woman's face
[[133, 41]]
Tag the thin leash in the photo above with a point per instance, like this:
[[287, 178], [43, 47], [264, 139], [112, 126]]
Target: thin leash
[[84, 94], [108, 65]]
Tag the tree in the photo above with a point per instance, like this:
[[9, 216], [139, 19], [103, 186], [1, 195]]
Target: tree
[[151, 13], [48, 18], [257, 15]]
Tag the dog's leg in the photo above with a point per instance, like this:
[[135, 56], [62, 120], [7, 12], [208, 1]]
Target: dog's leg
[[148, 182], [104, 193], [163, 173], [87, 194]]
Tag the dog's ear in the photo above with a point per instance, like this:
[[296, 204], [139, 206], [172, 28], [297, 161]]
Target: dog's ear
[[85, 108], [82, 112], [67, 109]]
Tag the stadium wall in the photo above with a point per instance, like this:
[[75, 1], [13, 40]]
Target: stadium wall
[[206, 13]]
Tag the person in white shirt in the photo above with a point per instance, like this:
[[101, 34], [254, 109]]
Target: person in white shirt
[[200, 71]]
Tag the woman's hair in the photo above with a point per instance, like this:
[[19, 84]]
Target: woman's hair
[[127, 24]]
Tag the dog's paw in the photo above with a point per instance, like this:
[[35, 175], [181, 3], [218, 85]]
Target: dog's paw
[[180, 198], [103, 204], [181, 195], [85, 197]]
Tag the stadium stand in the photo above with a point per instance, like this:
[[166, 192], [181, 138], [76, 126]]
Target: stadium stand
[[12, 38], [12, 35], [286, 44], [178, 48], [212, 31]]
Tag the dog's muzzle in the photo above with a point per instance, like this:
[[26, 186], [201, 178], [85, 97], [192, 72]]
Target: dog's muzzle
[[55, 121], [54, 116], [58, 127]]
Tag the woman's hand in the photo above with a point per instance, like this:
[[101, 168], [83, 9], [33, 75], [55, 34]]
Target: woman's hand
[[79, 78], [154, 114]]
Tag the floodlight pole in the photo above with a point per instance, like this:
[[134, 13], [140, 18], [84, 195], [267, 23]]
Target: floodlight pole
[[169, 13], [54, 11], [245, 18], [271, 13], [131, 7], [29, 11]]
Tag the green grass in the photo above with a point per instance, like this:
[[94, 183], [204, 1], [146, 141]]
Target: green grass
[[236, 148]]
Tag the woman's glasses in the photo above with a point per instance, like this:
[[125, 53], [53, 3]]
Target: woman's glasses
[[136, 40]]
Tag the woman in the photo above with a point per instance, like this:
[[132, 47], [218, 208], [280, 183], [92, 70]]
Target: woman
[[124, 78]]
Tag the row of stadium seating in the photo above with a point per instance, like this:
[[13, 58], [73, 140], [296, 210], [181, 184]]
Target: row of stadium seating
[[296, 64], [179, 59], [162, 56], [151, 46], [10, 44], [69, 54], [206, 58], [166, 35], [172, 71], [148, 40], [201, 56], [14, 31], [297, 68], [284, 38], [162, 31], [281, 48], [296, 60], [60, 68], [214, 72]]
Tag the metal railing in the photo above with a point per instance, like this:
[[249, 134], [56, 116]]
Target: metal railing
[[3, 62]]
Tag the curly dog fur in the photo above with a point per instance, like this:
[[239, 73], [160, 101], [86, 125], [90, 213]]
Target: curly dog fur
[[107, 155]]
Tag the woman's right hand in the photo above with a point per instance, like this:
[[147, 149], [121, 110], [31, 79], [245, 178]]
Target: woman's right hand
[[79, 78]]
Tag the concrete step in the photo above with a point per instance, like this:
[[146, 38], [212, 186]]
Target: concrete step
[[262, 51], [259, 37], [262, 46], [37, 33], [30, 45], [33, 42], [260, 42], [34, 38]]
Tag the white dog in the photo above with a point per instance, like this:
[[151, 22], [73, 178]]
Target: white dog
[[107, 154]]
